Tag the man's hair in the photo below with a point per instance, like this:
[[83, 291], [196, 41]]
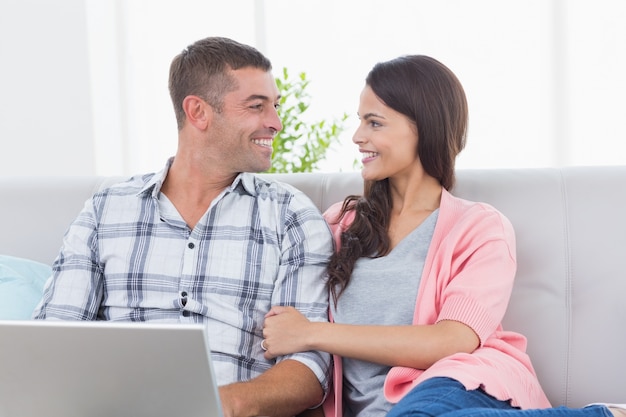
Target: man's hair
[[202, 70]]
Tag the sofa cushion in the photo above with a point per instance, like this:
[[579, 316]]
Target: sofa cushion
[[21, 286]]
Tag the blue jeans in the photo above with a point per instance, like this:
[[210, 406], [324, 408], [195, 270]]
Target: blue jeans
[[447, 397]]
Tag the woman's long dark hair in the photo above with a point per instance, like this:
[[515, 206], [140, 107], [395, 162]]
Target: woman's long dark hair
[[429, 94]]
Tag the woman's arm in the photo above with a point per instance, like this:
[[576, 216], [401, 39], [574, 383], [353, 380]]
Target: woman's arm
[[416, 346]]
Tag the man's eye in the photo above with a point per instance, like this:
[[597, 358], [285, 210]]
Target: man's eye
[[277, 106], [256, 106]]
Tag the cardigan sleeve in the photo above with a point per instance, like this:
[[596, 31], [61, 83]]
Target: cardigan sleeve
[[475, 267], [338, 226]]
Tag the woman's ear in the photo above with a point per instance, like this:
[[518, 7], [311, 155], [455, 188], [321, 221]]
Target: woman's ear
[[197, 111]]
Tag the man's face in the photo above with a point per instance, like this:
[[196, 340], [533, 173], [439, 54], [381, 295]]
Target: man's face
[[244, 130]]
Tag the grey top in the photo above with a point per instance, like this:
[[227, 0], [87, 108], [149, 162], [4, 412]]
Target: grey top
[[375, 285]]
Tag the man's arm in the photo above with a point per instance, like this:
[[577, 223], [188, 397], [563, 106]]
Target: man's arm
[[288, 388], [313, 412], [74, 291]]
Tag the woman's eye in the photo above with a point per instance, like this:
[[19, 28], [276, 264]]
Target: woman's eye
[[374, 123]]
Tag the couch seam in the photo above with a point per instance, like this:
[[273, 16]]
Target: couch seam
[[568, 281], [324, 192]]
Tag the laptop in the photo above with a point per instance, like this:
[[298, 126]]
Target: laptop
[[105, 369]]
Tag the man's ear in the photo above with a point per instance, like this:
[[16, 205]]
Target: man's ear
[[197, 111]]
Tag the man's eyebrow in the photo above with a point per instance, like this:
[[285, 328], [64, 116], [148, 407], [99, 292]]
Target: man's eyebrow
[[260, 97]]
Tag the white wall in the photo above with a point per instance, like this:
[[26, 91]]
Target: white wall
[[596, 83], [84, 90], [500, 50], [45, 104]]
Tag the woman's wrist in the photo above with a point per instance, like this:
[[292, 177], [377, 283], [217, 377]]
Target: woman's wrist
[[315, 335]]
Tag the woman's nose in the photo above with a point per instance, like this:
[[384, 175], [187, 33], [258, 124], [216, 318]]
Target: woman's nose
[[357, 137]]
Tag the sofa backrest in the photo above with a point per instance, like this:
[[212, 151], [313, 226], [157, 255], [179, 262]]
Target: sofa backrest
[[569, 294], [570, 291]]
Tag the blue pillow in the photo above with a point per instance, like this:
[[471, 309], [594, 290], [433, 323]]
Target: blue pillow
[[21, 286]]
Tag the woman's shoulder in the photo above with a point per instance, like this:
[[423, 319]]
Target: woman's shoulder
[[461, 206], [334, 218], [460, 211], [331, 214]]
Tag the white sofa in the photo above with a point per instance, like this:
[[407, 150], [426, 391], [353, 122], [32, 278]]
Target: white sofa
[[570, 293]]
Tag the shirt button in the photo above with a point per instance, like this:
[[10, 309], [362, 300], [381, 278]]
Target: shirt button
[[190, 245]]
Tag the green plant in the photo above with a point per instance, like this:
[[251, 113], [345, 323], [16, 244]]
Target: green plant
[[301, 146]]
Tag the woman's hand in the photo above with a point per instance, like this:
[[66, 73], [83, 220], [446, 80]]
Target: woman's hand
[[285, 331]]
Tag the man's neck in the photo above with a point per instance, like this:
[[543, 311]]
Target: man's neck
[[192, 188]]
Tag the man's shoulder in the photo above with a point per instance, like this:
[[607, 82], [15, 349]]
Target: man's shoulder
[[272, 183], [281, 192], [133, 185]]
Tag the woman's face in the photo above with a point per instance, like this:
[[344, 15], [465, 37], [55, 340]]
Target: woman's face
[[387, 140]]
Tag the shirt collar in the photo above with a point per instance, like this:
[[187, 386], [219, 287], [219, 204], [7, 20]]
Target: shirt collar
[[154, 184], [247, 180]]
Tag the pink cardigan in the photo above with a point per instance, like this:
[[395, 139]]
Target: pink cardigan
[[468, 277]]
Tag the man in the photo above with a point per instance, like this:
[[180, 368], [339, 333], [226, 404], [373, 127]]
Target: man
[[206, 241]]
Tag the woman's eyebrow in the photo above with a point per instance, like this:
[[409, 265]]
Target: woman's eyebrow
[[370, 115]]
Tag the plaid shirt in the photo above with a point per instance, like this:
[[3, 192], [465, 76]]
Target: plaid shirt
[[129, 255]]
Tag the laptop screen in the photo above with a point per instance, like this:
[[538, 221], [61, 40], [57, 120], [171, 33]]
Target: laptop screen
[[87, 369]]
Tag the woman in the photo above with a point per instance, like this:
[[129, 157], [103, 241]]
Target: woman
[[421, 279]]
